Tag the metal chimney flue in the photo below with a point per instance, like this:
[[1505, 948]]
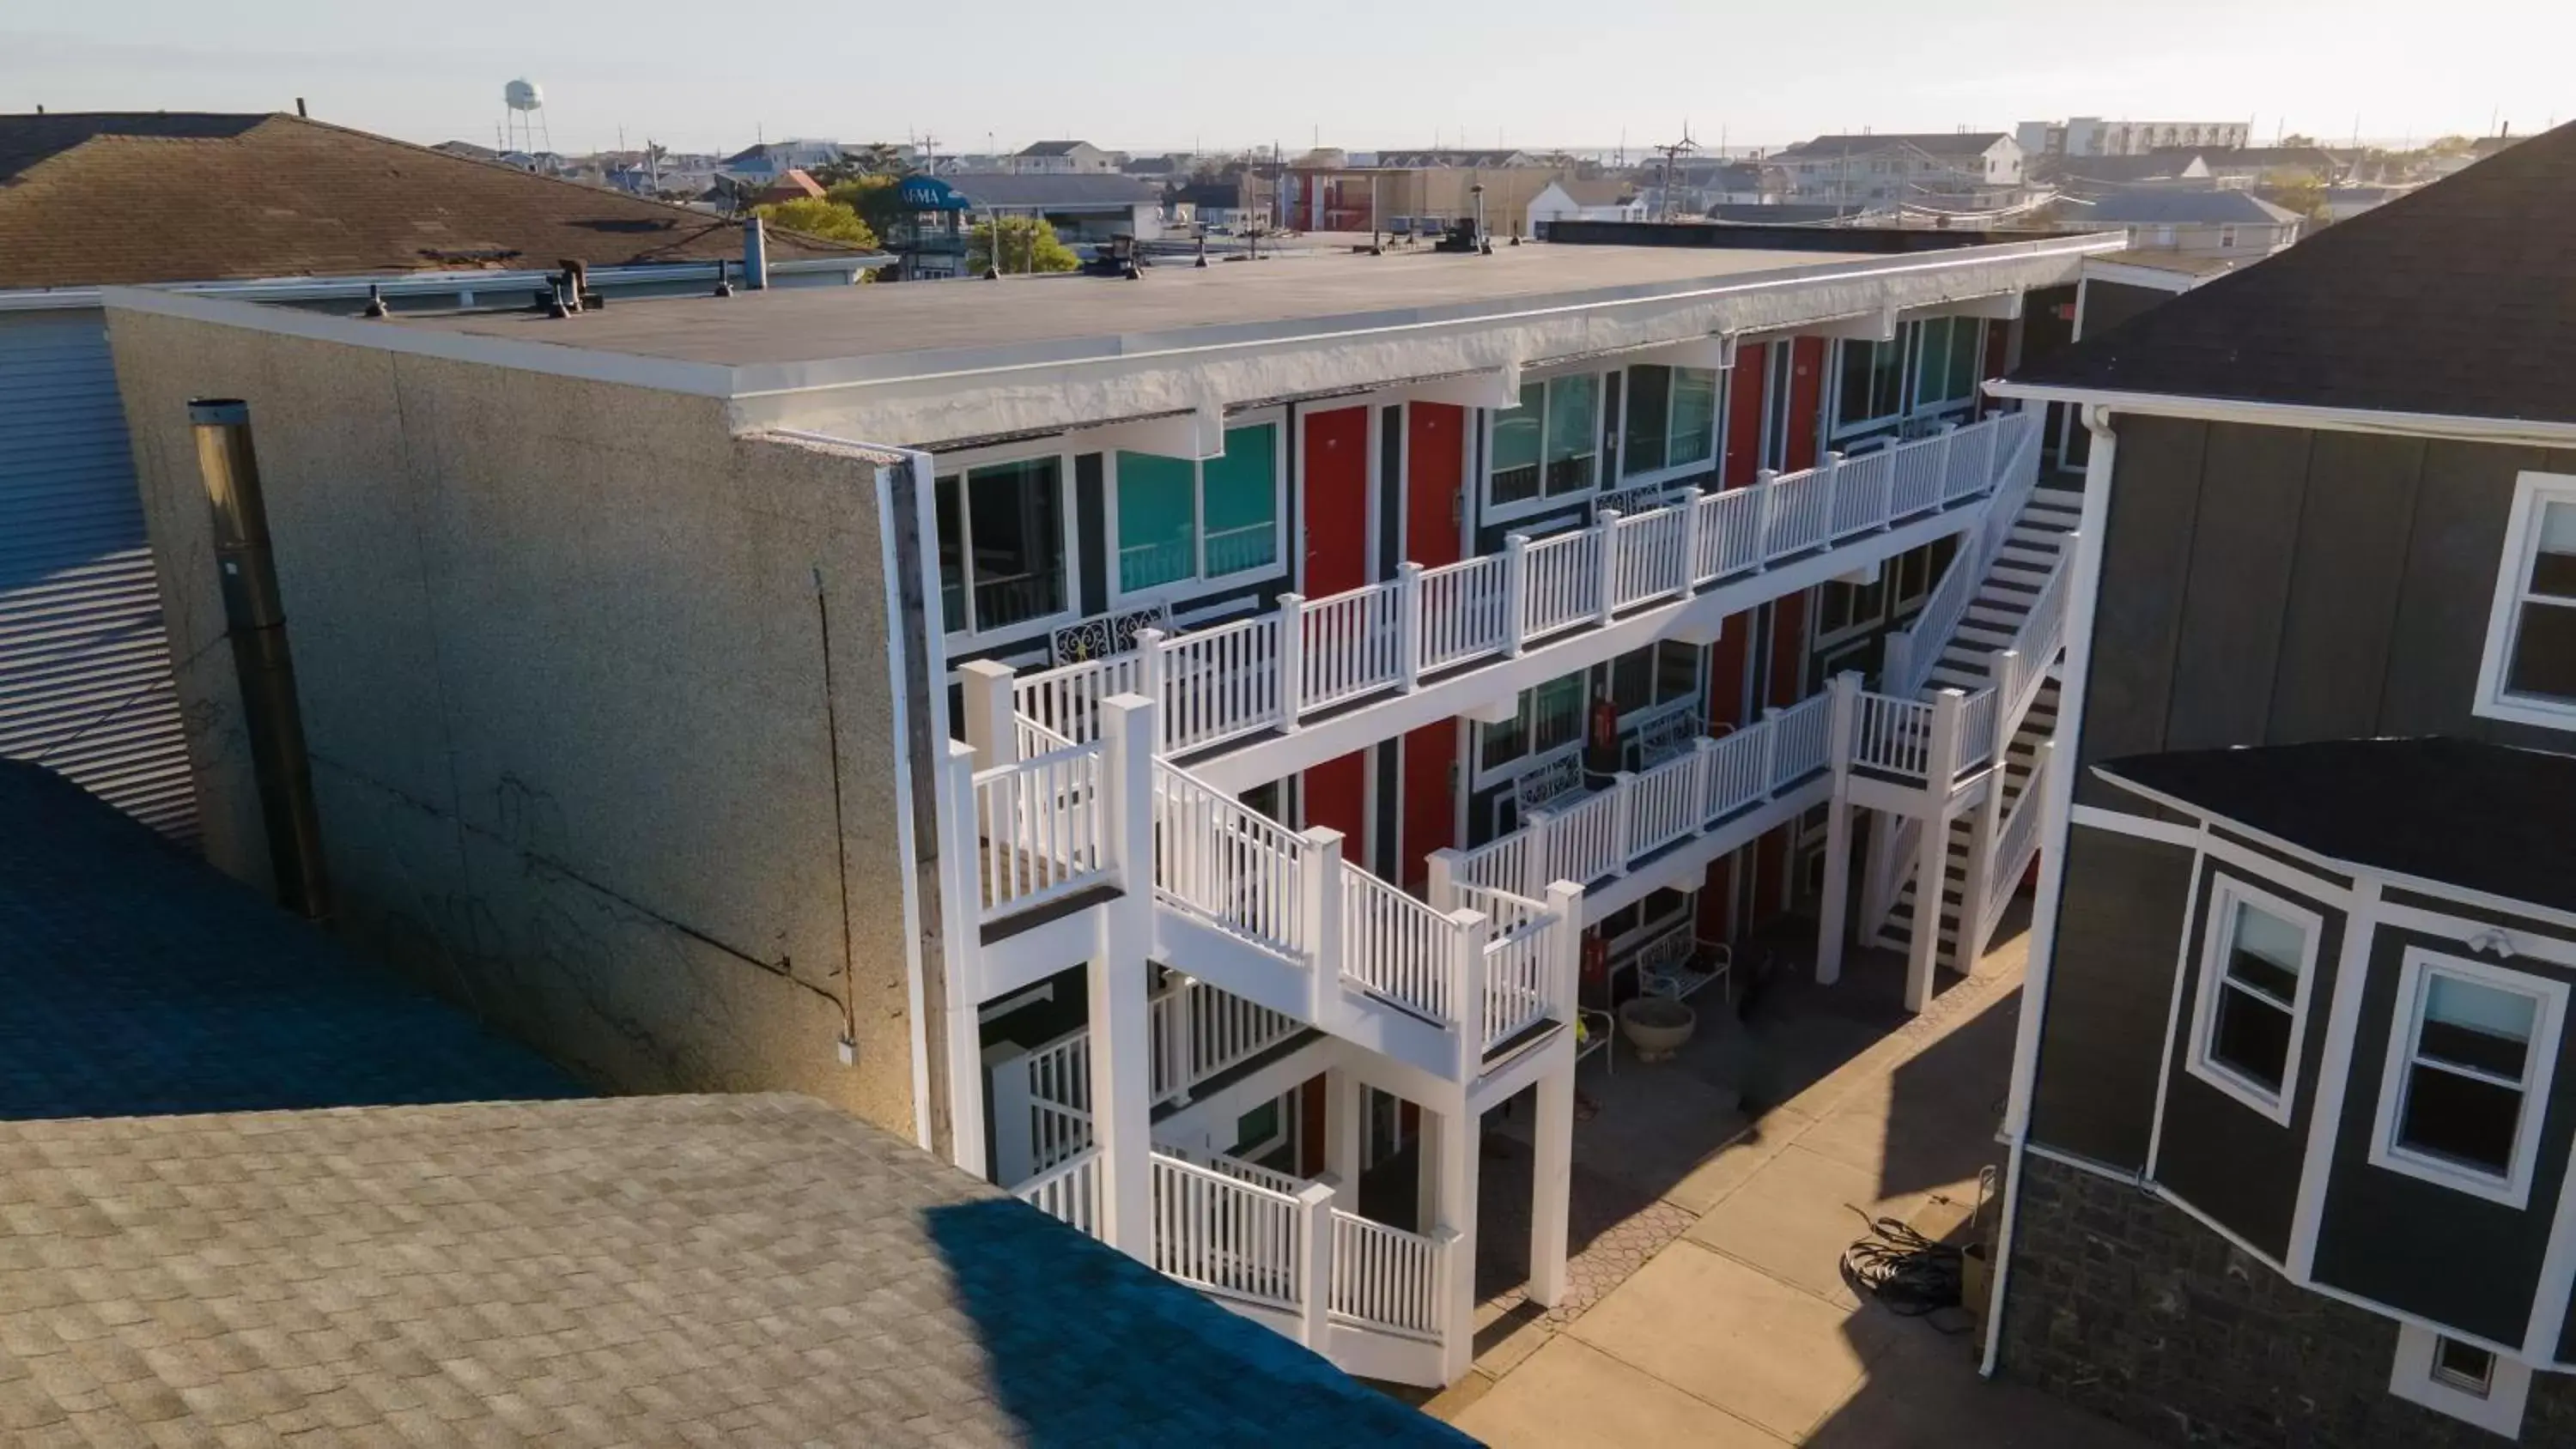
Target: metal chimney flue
[[255, 619], [755, 254]]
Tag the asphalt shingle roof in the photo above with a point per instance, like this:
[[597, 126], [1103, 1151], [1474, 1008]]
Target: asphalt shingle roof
[[2462, 812], [575, 1271], [2458, 299], [2185, 207], [98, 199]]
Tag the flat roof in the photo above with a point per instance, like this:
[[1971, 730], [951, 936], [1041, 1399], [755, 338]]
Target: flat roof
[[814, 325]]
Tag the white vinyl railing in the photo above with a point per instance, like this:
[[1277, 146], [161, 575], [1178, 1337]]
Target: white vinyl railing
[[1893, 735], [1610, 831], [1038, 825], [1268, 671], [1069, 1192], [1385, 1278], [1399, 948], [1518, 957], [1915, 649], [1223, 1235], [1197, 1032], [2015, 843], [1220, 859], [1227, 1165]]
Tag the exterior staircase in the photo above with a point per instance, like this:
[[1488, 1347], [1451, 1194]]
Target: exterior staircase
[[2009, 616]]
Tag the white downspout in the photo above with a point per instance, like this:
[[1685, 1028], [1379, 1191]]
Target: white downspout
[[2057, 799]]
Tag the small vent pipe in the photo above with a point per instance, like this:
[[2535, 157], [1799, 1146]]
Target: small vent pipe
[[255, 618]]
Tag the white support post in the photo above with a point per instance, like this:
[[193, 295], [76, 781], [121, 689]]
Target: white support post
[[1932, 851], [1440, 892], [1408, 625], [1897, 662], [1565, 947], [1292, 660], [1551, 1185], [989, 712], [1319, 908], [1469, 931], [1607, 564], [1456, 1206], [1121, 1036], [1690, 546], [1833, 470], [1515, 594], [1833, 926], [961, 888], [1623, 820], [1766, 502], [1344, 1102], [1770, 753], [1315, 1256], [1150, 646], [1704, 782], [1006, 1067], [1535, 869], [1949, 436]]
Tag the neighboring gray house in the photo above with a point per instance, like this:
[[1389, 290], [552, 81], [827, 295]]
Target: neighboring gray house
[[2292, 1114], [1895, 168]]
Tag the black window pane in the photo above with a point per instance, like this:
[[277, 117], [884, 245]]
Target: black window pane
[[1018, 526], [1676, 672], [1649, 391], [2469, 1047], [2252, 1039], [2464, 1366], [2544, 652], [2268, 976], [2554, 573], [952, 557], [1632, 679], [2460, 1118], [1854, 392]]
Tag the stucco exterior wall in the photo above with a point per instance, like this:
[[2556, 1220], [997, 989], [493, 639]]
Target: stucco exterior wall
[[560, 653]]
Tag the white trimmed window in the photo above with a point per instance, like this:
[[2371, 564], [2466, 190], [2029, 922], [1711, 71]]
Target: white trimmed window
[[2460, 1380], [1549, 446], [2258, 955], [2467, 1079], [1004, 537], [2529, 672], [1671, 421], [1181, 522]]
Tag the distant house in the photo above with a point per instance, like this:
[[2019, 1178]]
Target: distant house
[[2105, 175], [1154, 168], [1602, 200], [468, 150], [1213, 204], [1062, 158], [1895, 168], [1088, 207], [2273, 164], [772, 159], [1452, 158], [277, 207], [2346, 202], [2086, 136], [795, 184], [2222, 222]]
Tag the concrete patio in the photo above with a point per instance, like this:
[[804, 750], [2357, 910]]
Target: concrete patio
[[1714, 1195]]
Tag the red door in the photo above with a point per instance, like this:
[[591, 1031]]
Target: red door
[[1744, 414], [1435, 460], [1337, 797], [1337, 501], [1806, 394], [1430, 809]]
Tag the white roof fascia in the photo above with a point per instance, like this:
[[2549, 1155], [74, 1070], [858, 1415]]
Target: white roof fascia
[[420, 284]]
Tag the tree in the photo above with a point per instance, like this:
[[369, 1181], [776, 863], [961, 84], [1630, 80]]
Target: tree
[[877, 201], [829, 220], [2296, 139], [877, 158], [1028, 245], [2296, 191]]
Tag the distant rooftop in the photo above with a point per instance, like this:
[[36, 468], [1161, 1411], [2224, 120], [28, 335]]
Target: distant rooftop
[[2185, 208], [110, 198]]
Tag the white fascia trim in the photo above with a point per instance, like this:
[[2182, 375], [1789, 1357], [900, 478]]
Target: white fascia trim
[[2130, 274], [695, 379], [429, 283], [2529, 432]]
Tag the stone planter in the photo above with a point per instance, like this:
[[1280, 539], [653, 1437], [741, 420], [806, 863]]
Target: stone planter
[[1656, 1026]]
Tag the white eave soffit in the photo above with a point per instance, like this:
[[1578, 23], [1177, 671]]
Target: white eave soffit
[[1994, 307], [1494, 387], [1198, 434]]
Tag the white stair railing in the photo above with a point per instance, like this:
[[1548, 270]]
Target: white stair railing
[[1227, 863], [1396, 947], [1198, 1032], [1517, 962], [1386, 1278], [2018, 443], [1069, 1192], [1223, 1235], [1268, 671], [1039, 831], [2015, 843]]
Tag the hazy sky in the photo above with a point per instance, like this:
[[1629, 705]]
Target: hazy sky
[[1365, 73]]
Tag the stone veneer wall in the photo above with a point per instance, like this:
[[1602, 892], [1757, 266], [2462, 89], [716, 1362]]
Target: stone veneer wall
[[2129, 1307]]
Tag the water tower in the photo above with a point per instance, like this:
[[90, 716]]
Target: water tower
[[524, 129]]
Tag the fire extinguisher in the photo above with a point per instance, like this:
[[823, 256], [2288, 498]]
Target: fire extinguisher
[[1601, 740], [1596, 959]]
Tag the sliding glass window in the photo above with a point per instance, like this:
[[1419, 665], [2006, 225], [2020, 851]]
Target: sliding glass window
[[1001, 545]]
